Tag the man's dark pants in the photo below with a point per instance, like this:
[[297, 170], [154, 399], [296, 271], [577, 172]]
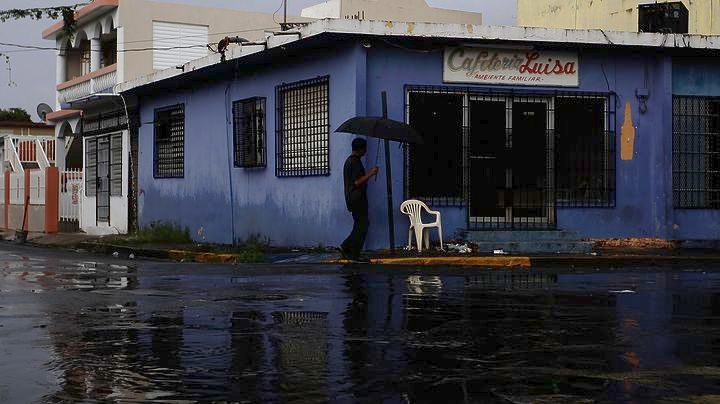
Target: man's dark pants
[[353, 245]]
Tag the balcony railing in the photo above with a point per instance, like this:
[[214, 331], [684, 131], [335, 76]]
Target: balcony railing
[[92, 83]]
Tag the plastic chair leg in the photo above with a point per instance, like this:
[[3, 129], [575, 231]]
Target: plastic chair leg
[[419, 238], [410, 235], [426, 238], [441, 237]]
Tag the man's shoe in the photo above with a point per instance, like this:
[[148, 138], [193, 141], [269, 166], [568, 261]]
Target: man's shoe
[[361, 260], [344, 254]]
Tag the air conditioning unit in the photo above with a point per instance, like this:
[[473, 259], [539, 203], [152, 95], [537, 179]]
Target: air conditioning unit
[[671, 18]]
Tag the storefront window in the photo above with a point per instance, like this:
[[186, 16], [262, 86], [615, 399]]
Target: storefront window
[[696, 152], [584, 152], [436, 167]]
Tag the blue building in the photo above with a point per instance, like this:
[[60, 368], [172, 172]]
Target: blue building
[[605, 134]]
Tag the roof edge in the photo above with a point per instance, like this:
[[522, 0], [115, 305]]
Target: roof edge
[[595, 37], [79, 14]]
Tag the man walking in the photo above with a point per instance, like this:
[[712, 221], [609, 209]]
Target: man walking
[[356, 199]]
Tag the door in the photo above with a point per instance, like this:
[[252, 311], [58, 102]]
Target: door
[[103, 180], [530, 164], [510, 151], [487, 160]]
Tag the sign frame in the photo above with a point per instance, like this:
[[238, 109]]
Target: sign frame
[[508, 66]]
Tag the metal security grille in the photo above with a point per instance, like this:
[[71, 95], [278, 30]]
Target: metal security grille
[[91, 167], [303, 128], [101, 124], [249, 133], [511, 158], [116, 158], [585, 150], [696, 152], [102, 201], [169, 158]]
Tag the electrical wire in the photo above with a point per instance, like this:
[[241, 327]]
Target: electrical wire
[[30, 48], [278, 10]]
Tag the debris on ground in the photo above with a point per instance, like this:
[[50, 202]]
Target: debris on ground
[[459, 248], [499, 252], [637, 243]]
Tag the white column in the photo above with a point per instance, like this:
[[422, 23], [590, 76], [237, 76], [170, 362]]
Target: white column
[[95, 54], [120, 74], [61, 68], [60, 73]]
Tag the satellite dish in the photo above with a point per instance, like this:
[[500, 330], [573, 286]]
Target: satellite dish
[[42, 111]]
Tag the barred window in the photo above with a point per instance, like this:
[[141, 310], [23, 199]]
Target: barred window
[[249, 132], [584, 151], [116, 150], [696, 152], [91, 167], [436, 166], [303, 128], [169, 158]]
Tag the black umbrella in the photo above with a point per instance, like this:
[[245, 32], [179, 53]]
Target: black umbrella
[[389, 130], [381, 128]]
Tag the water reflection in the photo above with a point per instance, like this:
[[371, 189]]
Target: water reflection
[[164, 334]]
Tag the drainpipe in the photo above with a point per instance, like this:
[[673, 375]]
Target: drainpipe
[[229, 153]]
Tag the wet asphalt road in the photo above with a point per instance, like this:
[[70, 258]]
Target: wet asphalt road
[[79, 328]]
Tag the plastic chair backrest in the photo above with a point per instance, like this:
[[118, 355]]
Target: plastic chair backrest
[[413, 208]]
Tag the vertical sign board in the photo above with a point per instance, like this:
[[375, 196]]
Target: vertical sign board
[[526, 67]]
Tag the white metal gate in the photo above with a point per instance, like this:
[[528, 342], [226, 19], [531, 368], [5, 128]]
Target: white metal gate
[[71, 188]]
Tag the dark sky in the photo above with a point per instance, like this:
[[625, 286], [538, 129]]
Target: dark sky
[[33, 72]]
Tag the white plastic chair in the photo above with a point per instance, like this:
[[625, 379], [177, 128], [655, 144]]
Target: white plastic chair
[[413, 208]]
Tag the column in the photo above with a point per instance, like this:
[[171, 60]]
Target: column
[[95, 54], [61, 67]]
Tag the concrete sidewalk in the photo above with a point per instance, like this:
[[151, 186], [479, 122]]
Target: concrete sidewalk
[[602, 257]]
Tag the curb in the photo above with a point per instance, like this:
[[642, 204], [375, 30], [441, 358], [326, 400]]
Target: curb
[[492, 262], [173, 255], [509, 262]]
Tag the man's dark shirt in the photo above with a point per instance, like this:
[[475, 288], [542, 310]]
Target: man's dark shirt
[[355, 197]]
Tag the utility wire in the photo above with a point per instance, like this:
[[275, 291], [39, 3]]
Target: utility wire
[[27, 48]]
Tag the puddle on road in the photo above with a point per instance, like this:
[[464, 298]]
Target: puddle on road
[[395, 337]]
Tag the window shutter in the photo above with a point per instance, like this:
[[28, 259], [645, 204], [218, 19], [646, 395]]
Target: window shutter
[[175, 44], [91, 168], [116, 165]]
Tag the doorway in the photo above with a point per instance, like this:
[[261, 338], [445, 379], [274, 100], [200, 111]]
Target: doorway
[[510, 163], [103, 179]]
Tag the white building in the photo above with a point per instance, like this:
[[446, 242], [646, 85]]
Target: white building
[[116, 41], [389, 10]]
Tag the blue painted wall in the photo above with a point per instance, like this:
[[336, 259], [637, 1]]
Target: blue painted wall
[[291, 211], [310, 211]]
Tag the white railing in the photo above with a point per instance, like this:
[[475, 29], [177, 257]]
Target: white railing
[[75, 92], [37, 187], [89, 86], [21, 150], [105, 82], [71, 189], [17, 188], [42, 159], [11, 155]]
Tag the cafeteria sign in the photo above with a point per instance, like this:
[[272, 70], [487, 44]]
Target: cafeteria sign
[[526, 67]]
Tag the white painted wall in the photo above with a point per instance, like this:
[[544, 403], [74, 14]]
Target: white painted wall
[[328, 9]]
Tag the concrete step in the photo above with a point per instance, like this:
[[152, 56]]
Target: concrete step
[[522, 236], [540, 246]]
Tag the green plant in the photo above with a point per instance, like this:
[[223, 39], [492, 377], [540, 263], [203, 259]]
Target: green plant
[[162, 232], [14, 114], [256, 241]]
